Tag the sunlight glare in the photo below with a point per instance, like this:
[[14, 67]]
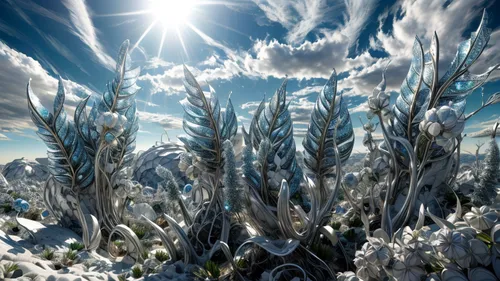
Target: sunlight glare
[[172, 12]]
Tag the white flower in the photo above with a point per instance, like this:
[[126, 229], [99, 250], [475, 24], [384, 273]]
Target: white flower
[[453, 245], [377, 251], [278, 175], [378, 101], [443, 123], [481, 218], [407, 269]]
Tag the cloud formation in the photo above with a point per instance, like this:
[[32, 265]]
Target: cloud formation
[[83, 28], [17, 70]]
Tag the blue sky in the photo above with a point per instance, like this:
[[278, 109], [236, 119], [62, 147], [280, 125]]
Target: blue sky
[[246, 47]]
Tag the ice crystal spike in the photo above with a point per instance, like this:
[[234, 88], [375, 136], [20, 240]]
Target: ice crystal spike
[[69, 162], [329, 110]]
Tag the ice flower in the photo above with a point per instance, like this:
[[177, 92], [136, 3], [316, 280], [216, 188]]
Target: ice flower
[[377, 251], [187, 165], [453, 245], [112, 124], [481, 218], [365, 270], [442, 123], [278, 175], [407, 269], [20, 205], [378, 101]]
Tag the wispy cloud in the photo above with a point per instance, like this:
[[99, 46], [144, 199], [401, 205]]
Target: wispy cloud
[[300, 17], [84, 29]]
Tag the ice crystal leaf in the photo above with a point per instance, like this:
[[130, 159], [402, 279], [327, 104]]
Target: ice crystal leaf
[[469, 50], [457, 83], [329, 110], [127, 141], [230, 122], [69, 162], [202, 123], [255, 133], [119, 96], [85, 124], [414, 96], [274, 122]]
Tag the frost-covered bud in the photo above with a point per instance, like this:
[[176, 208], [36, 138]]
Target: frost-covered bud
[[350, 180], [20, 205], [111, 122], [378, 101], [443, 123]]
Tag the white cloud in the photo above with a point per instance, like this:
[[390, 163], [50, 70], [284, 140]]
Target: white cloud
[[307, 91], [168, 122], [4, 137], [170, 81], [17, 70], [84, 29]]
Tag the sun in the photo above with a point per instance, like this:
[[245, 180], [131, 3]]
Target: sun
[[174, 16], [172, 12]]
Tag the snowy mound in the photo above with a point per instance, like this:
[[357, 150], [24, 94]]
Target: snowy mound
[[21, 169]]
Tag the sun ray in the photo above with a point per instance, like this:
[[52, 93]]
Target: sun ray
[[179, 35], [210, 41], [226, 27], [164, 33], [140, 12], [144, 34]]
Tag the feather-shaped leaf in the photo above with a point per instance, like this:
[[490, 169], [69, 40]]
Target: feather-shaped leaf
[[69, 162], [414, 97], [85, 124], [127, 141], [274, 122], [457, 83], [458, 91], [120, 98], [329, 110], [469, 50], [255, 133], [202, 123], [121, 91], [230, 122]]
